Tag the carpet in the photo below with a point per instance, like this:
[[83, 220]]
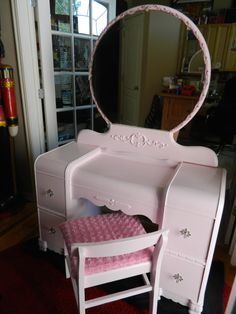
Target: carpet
[[33, 282]]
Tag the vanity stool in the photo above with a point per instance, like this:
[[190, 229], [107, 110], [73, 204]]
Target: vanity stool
[[111, 247]]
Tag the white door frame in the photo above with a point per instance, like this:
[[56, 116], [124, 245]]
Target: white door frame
[[26, 46], [47, 72]]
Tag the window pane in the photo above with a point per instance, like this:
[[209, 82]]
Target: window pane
[[99, 17], [83, 96], [62, 53], [84, 120], [64, 90], [75, 109], [82, 54], [60, 15], [65, 123], [62, 7], [81, 15]]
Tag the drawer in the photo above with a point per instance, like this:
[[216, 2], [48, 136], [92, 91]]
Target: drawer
[[50, 232], [189, 234], [51, 192], [181, 277]]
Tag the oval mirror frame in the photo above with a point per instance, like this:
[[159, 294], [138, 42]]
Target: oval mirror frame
[[191, 26]]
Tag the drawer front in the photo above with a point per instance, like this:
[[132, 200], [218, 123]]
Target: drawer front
[[181, 277], [51, 192], [189, 234], [50, 232]]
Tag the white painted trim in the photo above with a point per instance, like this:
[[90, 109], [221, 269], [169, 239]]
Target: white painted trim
[[112, 8], [24, 28], [47, 72]]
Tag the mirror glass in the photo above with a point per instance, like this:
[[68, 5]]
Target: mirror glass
[[140, 57]]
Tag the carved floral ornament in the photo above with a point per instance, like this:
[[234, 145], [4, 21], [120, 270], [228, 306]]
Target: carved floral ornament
[[138, 140]]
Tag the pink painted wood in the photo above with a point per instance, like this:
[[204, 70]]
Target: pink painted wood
[[110, 247], [142, 171]]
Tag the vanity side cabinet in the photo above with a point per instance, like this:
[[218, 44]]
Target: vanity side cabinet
[[50, 170], [50, 235], [51, 208], [193, 212]]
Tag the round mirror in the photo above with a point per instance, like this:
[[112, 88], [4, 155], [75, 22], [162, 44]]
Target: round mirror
[[143, 55]]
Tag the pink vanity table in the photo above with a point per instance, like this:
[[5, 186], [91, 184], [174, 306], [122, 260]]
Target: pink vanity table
[[141, 171]]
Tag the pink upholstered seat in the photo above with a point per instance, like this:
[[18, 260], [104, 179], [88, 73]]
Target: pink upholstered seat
[[111, 247], [102, 228]]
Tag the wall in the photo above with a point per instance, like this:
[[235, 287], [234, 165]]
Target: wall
[[19, 148], [162, 53], [219, 4]]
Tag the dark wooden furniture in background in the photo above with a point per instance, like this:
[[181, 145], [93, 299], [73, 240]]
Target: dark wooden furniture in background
[[175, 110]]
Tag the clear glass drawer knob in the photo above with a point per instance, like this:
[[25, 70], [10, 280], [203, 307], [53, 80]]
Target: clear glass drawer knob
[[50, 193], [178, 278], [52, 230], [185, 233]]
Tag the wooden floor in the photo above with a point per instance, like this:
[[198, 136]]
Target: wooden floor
[[23, 225], [221, 253]]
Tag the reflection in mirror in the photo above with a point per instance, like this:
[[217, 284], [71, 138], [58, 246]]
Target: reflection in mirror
[[130, 64], [196, 63]]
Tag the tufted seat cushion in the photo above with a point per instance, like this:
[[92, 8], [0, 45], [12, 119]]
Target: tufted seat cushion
[[102, 228]]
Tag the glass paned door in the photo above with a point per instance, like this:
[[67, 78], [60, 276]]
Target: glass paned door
[[89, 14], [75, 27]]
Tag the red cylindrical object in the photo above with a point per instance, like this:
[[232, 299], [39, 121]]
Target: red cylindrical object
[[9, 97], [3, 122]]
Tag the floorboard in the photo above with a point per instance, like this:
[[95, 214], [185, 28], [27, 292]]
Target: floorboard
[[19, 226]]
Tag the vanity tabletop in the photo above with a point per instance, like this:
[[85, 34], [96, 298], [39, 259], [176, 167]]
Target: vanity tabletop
[[126, 168], [122, 178]]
